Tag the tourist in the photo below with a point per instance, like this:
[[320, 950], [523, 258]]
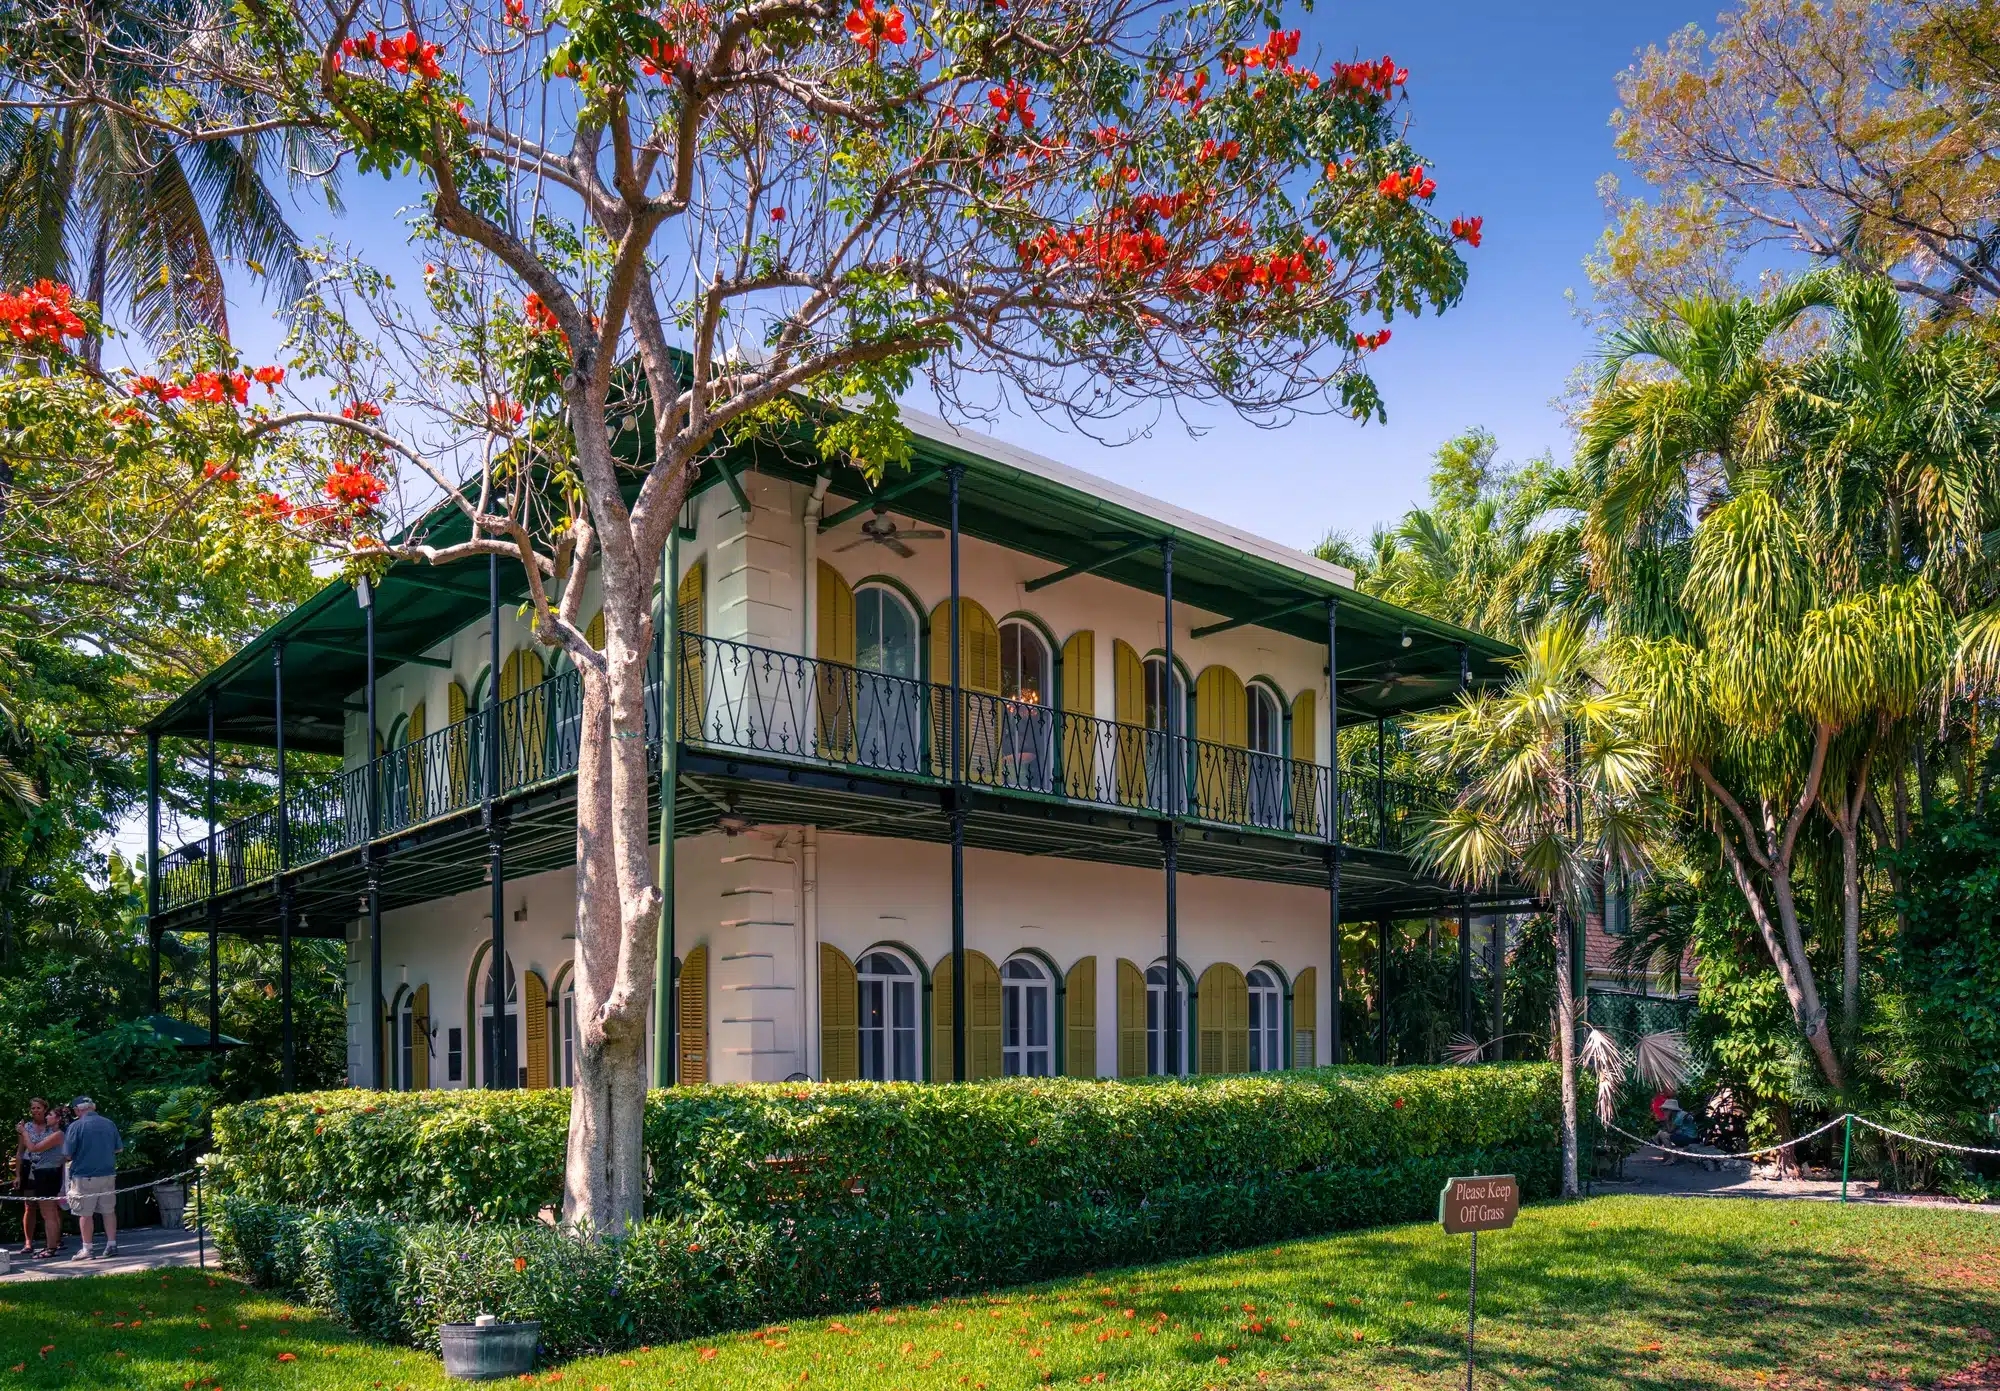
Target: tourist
[[92, 1145], [41, 1161]]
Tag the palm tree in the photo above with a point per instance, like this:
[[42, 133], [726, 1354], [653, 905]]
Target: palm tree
[[141, 224], [1558, 788]]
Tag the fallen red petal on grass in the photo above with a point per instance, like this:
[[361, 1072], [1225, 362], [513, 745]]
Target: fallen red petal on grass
[[1650, 1347], [288, 1357]]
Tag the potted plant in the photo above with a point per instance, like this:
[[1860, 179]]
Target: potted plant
[[167, 1141]]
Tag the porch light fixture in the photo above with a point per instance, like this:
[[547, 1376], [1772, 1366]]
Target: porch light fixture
[[1407, 639], [364, 593]]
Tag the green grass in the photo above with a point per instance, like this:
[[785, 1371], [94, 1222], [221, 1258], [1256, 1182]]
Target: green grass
[[1610, 1293]]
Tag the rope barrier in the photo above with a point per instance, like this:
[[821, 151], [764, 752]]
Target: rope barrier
[[18, 1198], [1799, 1140], [1920, 1140], [1716, 1154]]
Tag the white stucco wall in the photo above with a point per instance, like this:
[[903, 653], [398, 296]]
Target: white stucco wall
[[747, 898]]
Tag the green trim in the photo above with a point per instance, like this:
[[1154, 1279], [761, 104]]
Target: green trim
[[881, 497], [1087, 567], [1260, 619]]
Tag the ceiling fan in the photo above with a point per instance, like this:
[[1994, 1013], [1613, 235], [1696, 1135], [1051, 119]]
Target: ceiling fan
[[884, 532], [1395, 683]]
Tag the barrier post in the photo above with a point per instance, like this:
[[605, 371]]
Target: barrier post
[[1846, 1149], [200, 1223]]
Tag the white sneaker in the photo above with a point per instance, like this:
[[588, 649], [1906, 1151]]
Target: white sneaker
[[83, 1255]]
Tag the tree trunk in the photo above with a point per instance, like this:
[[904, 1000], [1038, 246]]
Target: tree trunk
[[1566, 1042], [1850, 925], [1799, 989], [616, 908]]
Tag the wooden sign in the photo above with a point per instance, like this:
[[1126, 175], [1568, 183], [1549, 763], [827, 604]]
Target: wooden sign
[[1487, 1203]]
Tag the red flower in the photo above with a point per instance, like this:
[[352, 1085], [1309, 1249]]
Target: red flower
[[361, 410], [351, 485], [1466, 229], [38, 316], [1399, 1103], [1369, 81], [1013, 99], [666, 57], [777, 214], [1403, 186], [871, 28], [541, 318], [269, 377], [1368, 343], [517, 15], [505, 412], [800, 135], [520, 1263]]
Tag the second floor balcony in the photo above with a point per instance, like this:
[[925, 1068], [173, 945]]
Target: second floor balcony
[[778, 709]]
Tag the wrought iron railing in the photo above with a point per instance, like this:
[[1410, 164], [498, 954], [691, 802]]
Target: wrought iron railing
[[735, 696]]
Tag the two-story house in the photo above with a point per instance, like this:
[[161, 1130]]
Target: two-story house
[[1124, 848]]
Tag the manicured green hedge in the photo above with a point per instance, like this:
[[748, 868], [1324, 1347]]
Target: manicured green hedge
[[749, 1152], [678, 1277], [399, 1212]]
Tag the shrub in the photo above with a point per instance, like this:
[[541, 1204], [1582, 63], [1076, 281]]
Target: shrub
[[772, 1202], [748, 1152]]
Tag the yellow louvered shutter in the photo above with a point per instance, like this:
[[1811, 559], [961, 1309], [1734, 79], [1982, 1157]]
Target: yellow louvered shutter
[[420, 1040], [978, 674], [839, 1022], [1077, 750], [1222, 760], [692, 616], [1222, 1020], [1131, 1020], [1128, 681], [1306, 781], [836, 679], [691, 1001], [524, 728], [594, 632], [1080, 1019], [458, 744], [982, 1003], [535, 1025], [1305, 1018], [941, 1016], [413, 761]]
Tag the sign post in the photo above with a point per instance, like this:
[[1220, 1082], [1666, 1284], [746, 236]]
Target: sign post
[[1484, 1203]]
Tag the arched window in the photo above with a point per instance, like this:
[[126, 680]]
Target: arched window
[[887, 707], [1027, 1019], [402, 1031], [510, 1020], [1027, 712], [1266, 758], [887, 1017], [1267, 1015], [569, 1030], [1156, 1023], [1160, 709]]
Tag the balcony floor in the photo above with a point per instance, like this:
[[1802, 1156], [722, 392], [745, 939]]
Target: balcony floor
[[448, 856]]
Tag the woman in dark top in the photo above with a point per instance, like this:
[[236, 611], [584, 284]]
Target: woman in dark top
[[41, 1148]]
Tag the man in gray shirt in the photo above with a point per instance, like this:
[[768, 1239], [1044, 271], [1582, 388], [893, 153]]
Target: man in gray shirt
[[91, 1145]]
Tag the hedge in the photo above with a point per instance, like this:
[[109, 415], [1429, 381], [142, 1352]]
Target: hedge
[[677, 1277], [396, 1212], [748, 1153]]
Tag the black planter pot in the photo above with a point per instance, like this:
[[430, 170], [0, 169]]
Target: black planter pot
[[488, 1349]]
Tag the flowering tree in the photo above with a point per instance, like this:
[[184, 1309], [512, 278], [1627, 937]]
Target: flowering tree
[[655, 231]]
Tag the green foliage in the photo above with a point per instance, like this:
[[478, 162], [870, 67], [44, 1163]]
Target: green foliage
[[771, 1201], [397, 1211], [1949, 960], [742, 1149]]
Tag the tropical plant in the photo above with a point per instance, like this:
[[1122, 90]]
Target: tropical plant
[[1557, 789]]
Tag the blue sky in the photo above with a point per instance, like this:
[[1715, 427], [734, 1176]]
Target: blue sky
[[1511, 106]]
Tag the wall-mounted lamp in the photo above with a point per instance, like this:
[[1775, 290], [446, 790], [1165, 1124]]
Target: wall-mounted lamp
[[364, 593], [1407, 639]]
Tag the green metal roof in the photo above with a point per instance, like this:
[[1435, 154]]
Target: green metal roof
[[1007, 497]]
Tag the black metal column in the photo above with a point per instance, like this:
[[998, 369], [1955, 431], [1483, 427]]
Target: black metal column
[[1333, 848], [1381, 784], [956, 752], [214, 926], [377, 1046], [286, 1043], [667, 643], [1465, 965], [502, 1073], [1175, 1064], [1382, 996], [153, 863]]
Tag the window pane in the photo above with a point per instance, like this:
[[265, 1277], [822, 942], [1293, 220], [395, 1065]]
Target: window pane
[[1038, 1016]]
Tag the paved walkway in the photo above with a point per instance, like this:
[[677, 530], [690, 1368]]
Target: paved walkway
[[140, 1248], [1650, 1174]]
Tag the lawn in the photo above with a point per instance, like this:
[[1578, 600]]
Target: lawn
[[1610, 1292]]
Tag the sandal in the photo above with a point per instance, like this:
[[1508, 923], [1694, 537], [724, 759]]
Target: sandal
[[49, 1253]]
